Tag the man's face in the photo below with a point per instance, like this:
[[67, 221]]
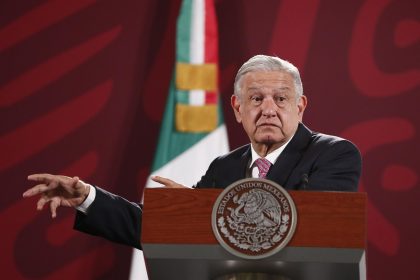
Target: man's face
[[268, 108]]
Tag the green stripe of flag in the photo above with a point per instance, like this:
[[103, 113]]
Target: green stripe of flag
[[184, 32]]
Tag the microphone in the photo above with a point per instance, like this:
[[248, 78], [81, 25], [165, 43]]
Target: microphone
[[305, 181]]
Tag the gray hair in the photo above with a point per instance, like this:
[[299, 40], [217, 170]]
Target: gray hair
[[268, 63]]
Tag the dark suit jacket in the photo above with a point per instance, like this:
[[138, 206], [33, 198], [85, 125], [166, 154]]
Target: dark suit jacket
[[311, 161]]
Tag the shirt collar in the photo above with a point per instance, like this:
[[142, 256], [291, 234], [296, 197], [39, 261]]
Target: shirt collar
[[271, 157]]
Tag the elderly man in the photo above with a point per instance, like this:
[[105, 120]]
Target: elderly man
[[268, 100]]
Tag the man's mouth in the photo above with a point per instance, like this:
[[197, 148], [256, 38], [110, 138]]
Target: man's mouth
[[267, 124]]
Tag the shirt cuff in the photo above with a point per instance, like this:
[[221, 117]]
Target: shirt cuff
[[88, 201]]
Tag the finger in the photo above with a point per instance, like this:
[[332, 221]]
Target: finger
[[55, 202], [49, 178], [64, 178], [38, 189], [162, 180], [44, 177], [81, 187], [177, 186], [53, 184], [41, 202], [68, 182], [167, 182], [74, 181]]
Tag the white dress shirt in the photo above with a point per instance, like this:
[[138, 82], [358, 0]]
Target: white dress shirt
[[88, 201], [271, 157]]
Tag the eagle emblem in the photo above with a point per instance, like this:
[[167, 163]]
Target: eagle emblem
[[256, 207], [253, 217]]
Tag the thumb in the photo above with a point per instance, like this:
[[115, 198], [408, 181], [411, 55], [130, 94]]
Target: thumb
[[74, 182]]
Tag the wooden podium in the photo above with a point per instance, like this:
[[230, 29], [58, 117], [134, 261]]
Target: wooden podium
[[329, 241]]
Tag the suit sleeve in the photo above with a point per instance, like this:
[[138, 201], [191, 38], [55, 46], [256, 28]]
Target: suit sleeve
[[338, 168], [113, 218]]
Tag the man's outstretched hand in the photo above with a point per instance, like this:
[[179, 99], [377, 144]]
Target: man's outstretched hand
[[57, 190], [167, 182]]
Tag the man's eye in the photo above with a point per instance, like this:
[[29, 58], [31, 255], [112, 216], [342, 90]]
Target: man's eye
[[280, 99], [256, 99]]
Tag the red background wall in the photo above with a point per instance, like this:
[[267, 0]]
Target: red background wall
[[83, 86]]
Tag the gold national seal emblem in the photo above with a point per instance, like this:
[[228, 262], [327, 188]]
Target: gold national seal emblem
[[254, 218]]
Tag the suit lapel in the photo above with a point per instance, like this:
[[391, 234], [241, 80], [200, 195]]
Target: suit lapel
[[244, 161], [290, 157], [237, 169]]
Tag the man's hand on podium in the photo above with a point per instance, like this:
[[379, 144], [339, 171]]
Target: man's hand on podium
[[168, 183], [58, 190]]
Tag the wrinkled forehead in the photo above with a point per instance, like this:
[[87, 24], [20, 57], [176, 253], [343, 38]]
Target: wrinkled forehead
[[268, 81], [262, 76]]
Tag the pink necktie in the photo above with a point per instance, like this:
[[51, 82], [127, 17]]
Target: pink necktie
[[263, 166]]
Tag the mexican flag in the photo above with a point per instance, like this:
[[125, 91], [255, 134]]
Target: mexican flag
[[193, 131]]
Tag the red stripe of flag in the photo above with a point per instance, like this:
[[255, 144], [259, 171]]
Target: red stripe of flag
[[211, 97]]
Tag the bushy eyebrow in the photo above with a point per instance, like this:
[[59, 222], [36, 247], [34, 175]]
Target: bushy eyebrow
[[253, 88]]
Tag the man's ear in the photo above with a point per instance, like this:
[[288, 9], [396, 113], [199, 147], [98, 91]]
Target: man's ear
[[234, 102], [302, 102]]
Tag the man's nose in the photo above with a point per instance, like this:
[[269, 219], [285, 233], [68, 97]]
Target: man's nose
[[268, 107]]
